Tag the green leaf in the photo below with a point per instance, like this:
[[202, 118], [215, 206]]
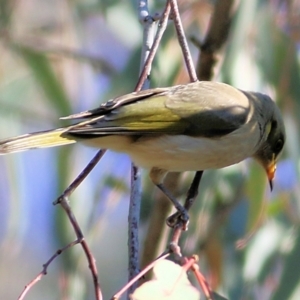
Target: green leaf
[[255, 190], [291, 274], [277, 55], [47, 79]]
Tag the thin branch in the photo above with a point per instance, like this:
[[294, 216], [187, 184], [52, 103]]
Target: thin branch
[[160, 31], [63, 201], [135, 192], [78, 180], [80, 240], [133, 225], [202, 282], [176, 234], [149, 26], [90, 258], [182, 41], [45, 268]]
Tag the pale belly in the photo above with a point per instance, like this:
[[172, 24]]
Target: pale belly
[[181, 152], [184, 153]]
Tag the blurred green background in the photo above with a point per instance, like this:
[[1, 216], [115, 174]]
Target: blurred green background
[[61, 57]]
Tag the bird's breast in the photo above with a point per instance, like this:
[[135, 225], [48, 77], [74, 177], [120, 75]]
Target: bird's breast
[[186, 153]]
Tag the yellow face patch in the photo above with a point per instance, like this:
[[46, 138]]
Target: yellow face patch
[[268, 128]]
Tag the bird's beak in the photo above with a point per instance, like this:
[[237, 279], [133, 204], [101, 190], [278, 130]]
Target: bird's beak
[[271, 169]]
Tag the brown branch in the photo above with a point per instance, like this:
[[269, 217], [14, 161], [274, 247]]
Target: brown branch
[[215, 38], [202, 282], [182, 41], [45, 267], [78, 180], [63, 201], [90, 258], [161, 29]]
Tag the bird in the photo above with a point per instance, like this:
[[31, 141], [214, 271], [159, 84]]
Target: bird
[[190, 127]]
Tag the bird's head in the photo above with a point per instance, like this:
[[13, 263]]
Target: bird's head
[[273, 142]]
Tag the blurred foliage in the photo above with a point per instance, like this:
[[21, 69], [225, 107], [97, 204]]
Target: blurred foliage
[[59, 57], [46, 79]]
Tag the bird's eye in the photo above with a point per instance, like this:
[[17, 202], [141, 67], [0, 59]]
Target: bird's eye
[[278, 145]]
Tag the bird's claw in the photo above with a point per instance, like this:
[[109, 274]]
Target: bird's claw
[[180, 218]]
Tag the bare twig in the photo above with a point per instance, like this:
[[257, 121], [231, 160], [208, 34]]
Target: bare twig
[[182, 41], [133, 225], [85, 172], [135, 193], [149, 25], [176, 234], [202, 282], [63, 201], [91, 260], [161, 29], [45, 268]]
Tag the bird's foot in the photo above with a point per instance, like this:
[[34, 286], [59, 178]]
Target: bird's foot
[[180, 219]]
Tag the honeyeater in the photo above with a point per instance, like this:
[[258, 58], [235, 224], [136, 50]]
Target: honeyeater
[[196, 126]]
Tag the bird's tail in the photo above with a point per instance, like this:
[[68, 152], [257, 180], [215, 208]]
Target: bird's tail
[[42, 139]]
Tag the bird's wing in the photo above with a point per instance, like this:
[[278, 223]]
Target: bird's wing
[[197, 109], [114, 103], [212, 109]]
